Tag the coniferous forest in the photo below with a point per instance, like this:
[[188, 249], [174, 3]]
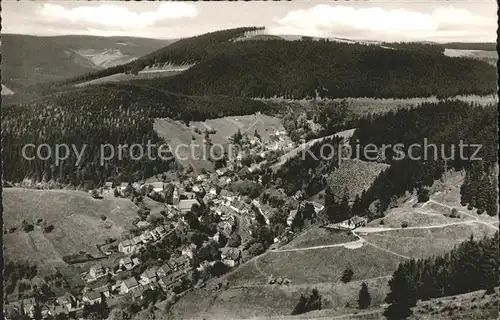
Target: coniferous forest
[[444, 124], [115, 114], [298, 69], [472, 265]]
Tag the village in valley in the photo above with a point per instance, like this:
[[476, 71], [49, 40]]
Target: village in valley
[[202, 229], [172, 164]]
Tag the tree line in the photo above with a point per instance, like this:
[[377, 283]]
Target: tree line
[[471, 266], [444, 124]]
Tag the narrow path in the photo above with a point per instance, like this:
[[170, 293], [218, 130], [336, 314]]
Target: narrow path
[[256, 264], [344, 244], [476, 219]]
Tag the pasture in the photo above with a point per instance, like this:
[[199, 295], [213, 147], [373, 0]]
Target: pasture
[[420, 243], [316, 266], [490, 57], [317, 236]]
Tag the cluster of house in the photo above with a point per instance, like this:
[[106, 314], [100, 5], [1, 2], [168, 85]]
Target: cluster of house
[[129, 246], [163, 278], [65, 304]]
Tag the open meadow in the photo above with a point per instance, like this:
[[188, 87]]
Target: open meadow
[[488, 56], [426, 242], [317, 236]]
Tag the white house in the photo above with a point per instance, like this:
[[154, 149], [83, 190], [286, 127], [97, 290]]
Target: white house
[[186, 205], [149, 276], [291, 217], [97, 271], [230, 256]]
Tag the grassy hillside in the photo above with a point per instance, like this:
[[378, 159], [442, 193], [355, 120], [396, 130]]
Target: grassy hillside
[[29, 60], [75, 215]]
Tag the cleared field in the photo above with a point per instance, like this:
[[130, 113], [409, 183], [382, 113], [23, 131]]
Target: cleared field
[[317, 236], [488, 56], [119, 77], [178, 135], [414, 217], [354, 176], [76, 218], [419, 243]]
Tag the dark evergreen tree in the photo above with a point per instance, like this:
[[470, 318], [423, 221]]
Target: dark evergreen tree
[[347, 275], [364, 299]]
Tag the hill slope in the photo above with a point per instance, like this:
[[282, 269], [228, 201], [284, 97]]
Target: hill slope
[[76, 218], [98, 115], [29, 60]]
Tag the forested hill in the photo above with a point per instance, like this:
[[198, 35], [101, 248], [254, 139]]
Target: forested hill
[[97, 115], [445, 124], [187, 50], [298, 69]]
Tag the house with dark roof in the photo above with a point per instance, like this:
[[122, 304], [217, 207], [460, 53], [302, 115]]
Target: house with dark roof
[[92, 297], [180, 263], [167, 282], [129, 285], [164, 270], [126, 262]]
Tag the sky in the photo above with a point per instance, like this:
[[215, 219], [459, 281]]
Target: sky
[[440, 21]]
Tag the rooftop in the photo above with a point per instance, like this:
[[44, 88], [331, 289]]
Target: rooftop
[[131, 282], [187, 204]]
